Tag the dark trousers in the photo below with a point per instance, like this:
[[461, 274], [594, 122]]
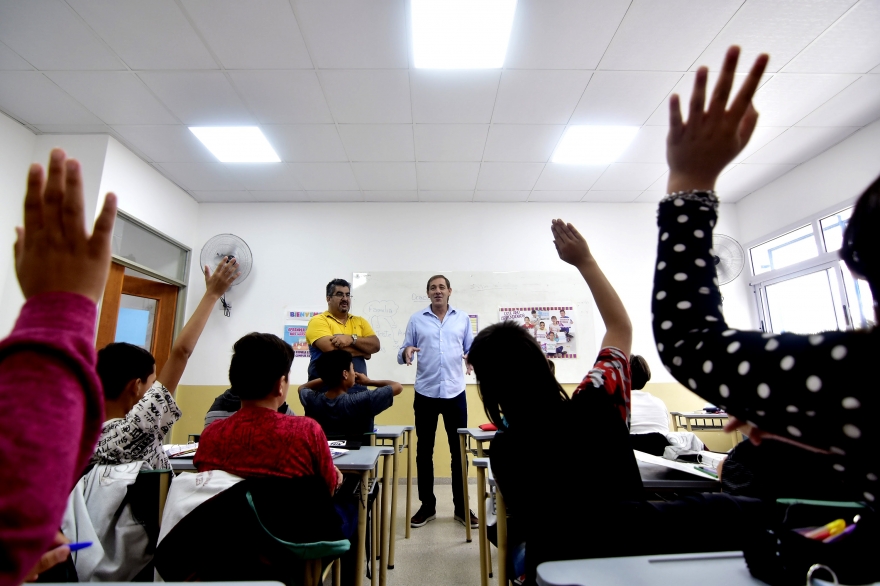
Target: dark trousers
[[454, 412]]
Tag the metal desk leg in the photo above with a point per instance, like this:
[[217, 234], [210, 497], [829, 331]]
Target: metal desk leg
[[392, 538], [488, 549], [409, 433], [374, 550], [360, 558], [501, 514], [383, 515], [481, 481], [464, 479]]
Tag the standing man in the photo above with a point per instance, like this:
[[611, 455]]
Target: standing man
[[442, 336], [336, 329]]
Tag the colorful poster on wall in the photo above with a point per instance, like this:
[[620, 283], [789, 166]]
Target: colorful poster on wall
[[475, 323], [295, 324], [552, 326]]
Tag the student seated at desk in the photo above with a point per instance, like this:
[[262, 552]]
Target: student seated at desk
[[341, 412], [140, 408], [228, 403], [649, 418]]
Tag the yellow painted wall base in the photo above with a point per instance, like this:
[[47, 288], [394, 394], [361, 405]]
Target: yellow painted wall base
[[194, 401]]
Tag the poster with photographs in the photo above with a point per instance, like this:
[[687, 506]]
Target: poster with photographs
[[552, 326], [295, 324]]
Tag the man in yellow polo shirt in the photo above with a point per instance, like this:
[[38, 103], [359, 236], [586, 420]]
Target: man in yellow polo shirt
[[336, 329]]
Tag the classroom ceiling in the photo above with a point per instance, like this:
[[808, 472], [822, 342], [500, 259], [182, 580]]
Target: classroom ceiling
[[332, 85]]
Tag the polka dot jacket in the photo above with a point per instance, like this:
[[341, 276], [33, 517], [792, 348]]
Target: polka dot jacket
[[812, 389]]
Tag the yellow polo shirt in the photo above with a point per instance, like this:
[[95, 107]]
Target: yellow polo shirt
[[327, 325]]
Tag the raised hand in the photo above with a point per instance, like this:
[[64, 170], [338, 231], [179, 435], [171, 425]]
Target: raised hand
[[53, 252], [571, 246], [219, 282], [361, 379], [699, 149]]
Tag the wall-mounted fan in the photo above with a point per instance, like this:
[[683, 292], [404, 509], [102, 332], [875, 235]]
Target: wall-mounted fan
[[729, 258], [227, 245]]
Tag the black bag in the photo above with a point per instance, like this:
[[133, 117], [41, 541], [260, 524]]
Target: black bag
[[781, 556]]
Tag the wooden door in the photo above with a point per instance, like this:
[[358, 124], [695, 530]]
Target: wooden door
[[159, 301]]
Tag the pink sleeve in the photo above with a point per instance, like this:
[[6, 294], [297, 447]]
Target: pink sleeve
[[51, 408]]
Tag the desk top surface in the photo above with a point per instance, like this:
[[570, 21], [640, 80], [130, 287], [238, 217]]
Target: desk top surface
[[699, 414], [656, 476], [362, 459], [391, 431], [476, 433], [180, 464]]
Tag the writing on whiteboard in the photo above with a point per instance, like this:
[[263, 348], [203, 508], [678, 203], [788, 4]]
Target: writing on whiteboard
[[381, 315]]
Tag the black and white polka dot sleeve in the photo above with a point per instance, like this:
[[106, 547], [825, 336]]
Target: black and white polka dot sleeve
[[812, 389]]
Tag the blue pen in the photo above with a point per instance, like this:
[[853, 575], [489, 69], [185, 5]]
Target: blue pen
[[78, 546]]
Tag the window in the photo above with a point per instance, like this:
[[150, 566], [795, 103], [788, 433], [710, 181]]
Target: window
[[149, 251], [784, 251], [833, 227]]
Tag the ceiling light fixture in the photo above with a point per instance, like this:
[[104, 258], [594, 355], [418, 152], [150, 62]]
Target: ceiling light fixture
[[593, 145], [236, 144], [461, 34]]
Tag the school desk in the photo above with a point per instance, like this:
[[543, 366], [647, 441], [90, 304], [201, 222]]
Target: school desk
[[464, 438], [701, 421], [484, 473], [184, 464], [394, 433]]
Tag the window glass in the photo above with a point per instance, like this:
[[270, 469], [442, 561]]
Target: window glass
[[137, 244], [135, 322], [803, 305], [833, 227], [861, 301], [784, 250]]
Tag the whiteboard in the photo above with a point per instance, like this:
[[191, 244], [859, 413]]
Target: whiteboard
[[387, 299]]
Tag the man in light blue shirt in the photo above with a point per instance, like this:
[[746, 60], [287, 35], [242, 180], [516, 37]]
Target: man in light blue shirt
[[442, 336]]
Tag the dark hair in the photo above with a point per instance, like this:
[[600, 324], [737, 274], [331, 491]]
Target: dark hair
[[861, 239], [331, 286], [258, 361], [428, 286], [641, 372], [515, 392], [330, 366], [120, 363]]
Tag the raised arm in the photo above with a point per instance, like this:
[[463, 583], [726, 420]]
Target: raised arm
[[216, 285], [573, 249]]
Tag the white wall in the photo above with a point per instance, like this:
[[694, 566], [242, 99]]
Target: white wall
[[298, 248], [836, 177]]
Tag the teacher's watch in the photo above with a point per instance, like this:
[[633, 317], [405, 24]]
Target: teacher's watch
[[354, 339]]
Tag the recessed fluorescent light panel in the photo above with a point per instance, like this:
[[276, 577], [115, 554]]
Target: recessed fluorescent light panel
[[593, 145], [236, 144], [461, 34]]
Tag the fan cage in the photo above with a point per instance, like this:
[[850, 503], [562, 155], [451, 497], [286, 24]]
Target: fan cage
[[227, 245]]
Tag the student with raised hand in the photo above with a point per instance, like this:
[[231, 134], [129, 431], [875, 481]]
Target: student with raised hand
[[51, 405], [811, 390], [140, 406]]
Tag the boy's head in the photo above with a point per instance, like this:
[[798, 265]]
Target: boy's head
[[641, 372], [336, 369], [126, 372], [260, 366], [541, 325], [561, 313], [553, 319], [526, 320]]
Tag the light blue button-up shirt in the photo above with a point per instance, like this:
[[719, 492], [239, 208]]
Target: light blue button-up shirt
[[439, 366]]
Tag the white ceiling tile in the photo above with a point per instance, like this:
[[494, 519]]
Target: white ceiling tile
[[167, 143], [202, 176], [501, 196], [305, 143], [508, 176], [462, 95], [32, 98], [562, 34], [279, 196], [760, 137], [49, 35], [385, 176], [651, 196], [611, 196], [335, 196], [788, 97], [368, 95], [748, 178], [798, 144], [450, 142], [199, 98], [448, 176], [325, 176], [222, 196], [522, 142], [781, 28], [73, 128], [264, 176], [557, 177], [629, 176], [446, 195], [353, 34], [876, 69], [10, 60], [539, 97], [857, 105], [661, 183], [258, 34], [643, 40], [851, 45], [556, 196], [378, 142], [649, 146], [283, 97], [623, 98], [146, 35], [116, 97], [684, 89], [409, 195]]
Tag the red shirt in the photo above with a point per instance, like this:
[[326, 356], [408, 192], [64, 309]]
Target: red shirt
[[258, 442], [611, 373]]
